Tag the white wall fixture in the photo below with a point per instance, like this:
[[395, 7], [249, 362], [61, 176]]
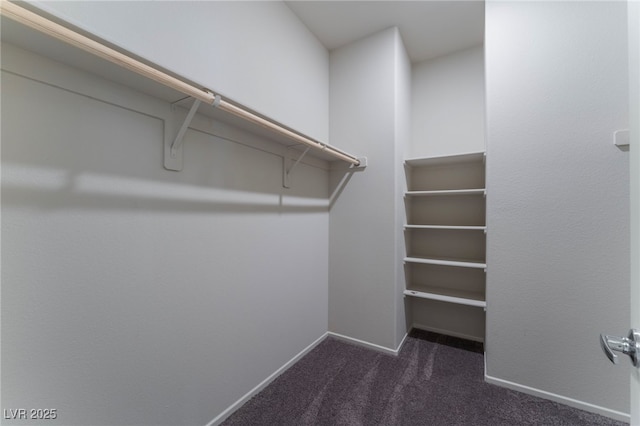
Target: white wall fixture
[[621, 138]]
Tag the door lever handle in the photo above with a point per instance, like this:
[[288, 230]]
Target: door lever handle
[[627, 345], [609, 344]]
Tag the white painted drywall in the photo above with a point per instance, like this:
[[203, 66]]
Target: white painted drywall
[[363, 238], [558, 198], [448, 105], [257, 53], [136, 295], [633, 12], [402, 143]]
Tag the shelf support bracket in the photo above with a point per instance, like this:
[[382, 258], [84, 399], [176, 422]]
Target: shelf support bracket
[[286, 173], [177, 142], [173, 151]]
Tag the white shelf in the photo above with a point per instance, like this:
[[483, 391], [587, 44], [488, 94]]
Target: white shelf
[[447, 262], [446, 160], [461, 228], [34, 41], [480, 191], [459, 297]]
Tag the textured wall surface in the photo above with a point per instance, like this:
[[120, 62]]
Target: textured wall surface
[[255, 52], [363, 232], [634, 128], [558, 197], [448, 105], [136, 295], [403, 138]]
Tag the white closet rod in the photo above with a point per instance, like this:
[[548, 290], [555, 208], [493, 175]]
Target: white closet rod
[[39, 23]]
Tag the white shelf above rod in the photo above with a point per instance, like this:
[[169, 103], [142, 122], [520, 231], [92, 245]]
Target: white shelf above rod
[[60, 32]]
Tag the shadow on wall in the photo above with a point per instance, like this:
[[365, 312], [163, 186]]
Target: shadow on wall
[[70, 150], [69, 199]]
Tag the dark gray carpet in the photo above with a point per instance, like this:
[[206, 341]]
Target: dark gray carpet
[[431, 382]]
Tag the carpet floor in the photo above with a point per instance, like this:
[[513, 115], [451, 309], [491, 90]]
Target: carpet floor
[[435, 380]]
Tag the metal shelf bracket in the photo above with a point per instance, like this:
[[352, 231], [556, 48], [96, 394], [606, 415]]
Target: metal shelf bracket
[[173, 149], [286, 170]]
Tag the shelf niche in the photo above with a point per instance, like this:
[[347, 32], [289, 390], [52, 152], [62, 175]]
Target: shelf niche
[[445, 237]]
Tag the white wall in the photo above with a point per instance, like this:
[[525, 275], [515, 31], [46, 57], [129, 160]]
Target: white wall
[[448, 105], [402, 143], [363, 293], [136, 295], [558, 199], [257, 53], [633, 12]]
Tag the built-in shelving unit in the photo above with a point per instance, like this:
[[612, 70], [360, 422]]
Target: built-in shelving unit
[[445, 237]]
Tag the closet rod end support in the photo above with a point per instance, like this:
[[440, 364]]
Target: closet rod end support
[[362, 163]]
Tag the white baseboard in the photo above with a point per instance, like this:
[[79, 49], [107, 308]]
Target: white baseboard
[[404, 339], [617, 415], [447, 332], [369, 345], [239, 403]]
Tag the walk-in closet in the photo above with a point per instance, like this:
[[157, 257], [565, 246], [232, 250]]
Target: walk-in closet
[[312, 212]]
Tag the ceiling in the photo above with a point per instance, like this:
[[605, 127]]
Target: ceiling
[[429, 28]]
